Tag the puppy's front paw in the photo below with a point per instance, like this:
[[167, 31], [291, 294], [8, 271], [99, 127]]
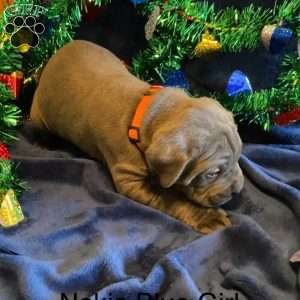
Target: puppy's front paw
[[212, 219]]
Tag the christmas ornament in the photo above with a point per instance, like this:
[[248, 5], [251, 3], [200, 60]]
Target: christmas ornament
[[138, 1], [14, 81], [24, 48], [177, 79], [295, 257], [276, 38], [208, 44], [4, 154], [238, 83], [10, 210], [287, 117], [152, 22]]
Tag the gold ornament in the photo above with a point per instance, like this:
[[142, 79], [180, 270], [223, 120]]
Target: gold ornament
[[295, 258], [266, 35], [150, 26], [10, 210], [208, 44], [24, 48]]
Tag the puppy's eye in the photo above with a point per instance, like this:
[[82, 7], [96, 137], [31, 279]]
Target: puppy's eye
[[213, 173]]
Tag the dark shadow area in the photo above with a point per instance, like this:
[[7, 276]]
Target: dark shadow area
[[117, 27]]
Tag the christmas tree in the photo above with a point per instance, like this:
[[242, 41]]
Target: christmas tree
[[183, 29]]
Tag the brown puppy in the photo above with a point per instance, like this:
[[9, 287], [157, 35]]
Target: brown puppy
[[87, 96]]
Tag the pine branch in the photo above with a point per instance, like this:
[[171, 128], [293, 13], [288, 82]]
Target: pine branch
[[262, 106], [63, 17], [9, 179], [185, 20], [5, 94], [10, 115], [101, 2], [181, 25], [10, 59], [289, 11], [241, 30]]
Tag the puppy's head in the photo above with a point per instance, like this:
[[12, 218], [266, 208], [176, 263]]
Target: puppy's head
[[196, 150]]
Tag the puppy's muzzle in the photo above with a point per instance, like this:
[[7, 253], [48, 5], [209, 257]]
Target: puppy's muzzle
[[221, 197], [221, 200]]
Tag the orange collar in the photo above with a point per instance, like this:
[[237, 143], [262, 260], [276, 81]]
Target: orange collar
[[146, 100]]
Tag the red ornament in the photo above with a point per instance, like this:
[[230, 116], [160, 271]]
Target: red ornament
[[13, 81], [4, 154], [287, 117]]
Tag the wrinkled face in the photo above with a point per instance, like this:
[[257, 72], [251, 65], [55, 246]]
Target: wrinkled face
[[211, 179], [198, 155]]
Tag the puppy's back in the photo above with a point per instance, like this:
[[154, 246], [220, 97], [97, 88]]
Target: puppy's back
[[73, 71], [84, 88]]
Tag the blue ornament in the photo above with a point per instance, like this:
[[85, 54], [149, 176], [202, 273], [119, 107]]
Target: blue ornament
[[177, 79], [275, 38], [281, 37], [238, 83], [138, 1]]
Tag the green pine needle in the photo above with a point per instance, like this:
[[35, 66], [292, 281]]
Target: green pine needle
[[10, 59], [175, 39], [9, 179], [10, 115]]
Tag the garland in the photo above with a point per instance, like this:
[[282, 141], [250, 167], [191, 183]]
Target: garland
[[184, 29], [10, 185], [9, 117]]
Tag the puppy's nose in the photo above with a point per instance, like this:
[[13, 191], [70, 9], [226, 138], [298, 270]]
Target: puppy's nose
[[233, 203]]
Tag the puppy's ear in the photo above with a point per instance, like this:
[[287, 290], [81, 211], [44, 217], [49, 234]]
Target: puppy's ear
[[167, 159]]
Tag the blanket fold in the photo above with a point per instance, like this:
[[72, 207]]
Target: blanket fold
[[82, 240]]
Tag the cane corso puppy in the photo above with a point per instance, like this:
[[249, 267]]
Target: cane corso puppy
[[163, 148]]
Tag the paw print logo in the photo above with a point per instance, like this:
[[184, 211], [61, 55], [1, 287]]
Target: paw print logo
[[24, 32]]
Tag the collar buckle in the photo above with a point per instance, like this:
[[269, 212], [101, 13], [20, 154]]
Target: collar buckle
[[134, 129]]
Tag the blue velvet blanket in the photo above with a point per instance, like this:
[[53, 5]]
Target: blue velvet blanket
[[82, 240]]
